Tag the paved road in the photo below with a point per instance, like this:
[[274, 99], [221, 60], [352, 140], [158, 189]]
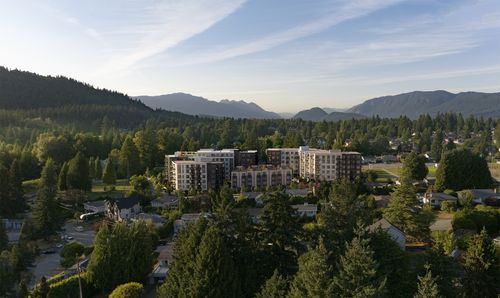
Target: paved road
[[48, 265], [441, 225]]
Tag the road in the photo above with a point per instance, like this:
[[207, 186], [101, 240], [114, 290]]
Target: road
[[48, 265]]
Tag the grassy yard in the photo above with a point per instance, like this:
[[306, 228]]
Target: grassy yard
[[121, 188]]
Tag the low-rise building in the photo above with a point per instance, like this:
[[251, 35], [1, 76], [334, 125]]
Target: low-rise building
[[95, 206], [168, 202], [435, 199], [260, 177], [483, 196], [396, 234], [123, 209], [187, 219], [306, 210], [155, 219]]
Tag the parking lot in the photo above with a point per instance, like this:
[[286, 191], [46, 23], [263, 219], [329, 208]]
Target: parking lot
[[48, 264]]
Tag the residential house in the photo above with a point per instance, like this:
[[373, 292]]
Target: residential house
[[436, 198], [307, 210], [396, 234], [95, 206], [155, 219], [484, 196], [168, 202], [13, 228], [187, 219], [123, 209]]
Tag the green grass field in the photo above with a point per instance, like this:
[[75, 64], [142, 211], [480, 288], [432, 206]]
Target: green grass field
[[121, 188]]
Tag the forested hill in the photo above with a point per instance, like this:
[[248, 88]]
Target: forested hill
[[414, 104], [26, 90]]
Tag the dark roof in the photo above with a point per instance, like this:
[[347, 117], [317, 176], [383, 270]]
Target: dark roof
[[125, 203], [95, 203]]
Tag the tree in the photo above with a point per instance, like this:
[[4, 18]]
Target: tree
[[142, 186], [357, 275], [403, 211], [466, 199], [461, 169], [275, 287], [45, 211], [482, 277], [128, 290], [279, 229], [4, 240], [70, 253], [63, 174], [414, 166], [16, 186], [78, 176], [427, 287], [109, 174], [41, 289], [437, 145], [7, 205], [128, 162], [122, 254], [91, 168], [97, 169], [314, 278]]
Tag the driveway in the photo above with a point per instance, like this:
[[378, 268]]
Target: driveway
[[48, 265]]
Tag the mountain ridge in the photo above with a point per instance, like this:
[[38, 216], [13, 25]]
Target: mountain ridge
[[197, 105]]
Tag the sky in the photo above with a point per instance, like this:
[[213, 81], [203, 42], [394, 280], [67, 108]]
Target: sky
[[285, 55]]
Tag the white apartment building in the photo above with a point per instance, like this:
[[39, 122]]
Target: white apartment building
[[226, 156], [189, 174], [260, 177], [329, 165]]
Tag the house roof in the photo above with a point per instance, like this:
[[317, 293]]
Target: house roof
[[166, 199], [154, 218], [483, 193], [306, 207], [441, 195], [383, 224], [125, 203], [96, 204]]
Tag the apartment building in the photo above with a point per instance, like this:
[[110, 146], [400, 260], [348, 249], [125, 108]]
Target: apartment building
[[246, 158], [285, 157], [196, 174], [260, 177], [226, 156], [329, 165]]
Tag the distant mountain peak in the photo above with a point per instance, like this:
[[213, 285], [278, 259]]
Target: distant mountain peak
[[196, 105]]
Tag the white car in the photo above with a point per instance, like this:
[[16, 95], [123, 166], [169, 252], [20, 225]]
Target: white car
[[79, 229]]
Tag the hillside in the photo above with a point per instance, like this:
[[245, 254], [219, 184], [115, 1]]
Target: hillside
[[313, 114], [195, 105], [26, 90], [318, 114], [416, 103]]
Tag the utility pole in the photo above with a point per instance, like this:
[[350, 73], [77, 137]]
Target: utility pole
[[79, 280]]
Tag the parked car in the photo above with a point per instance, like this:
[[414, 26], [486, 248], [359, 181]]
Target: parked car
[[79, 229]]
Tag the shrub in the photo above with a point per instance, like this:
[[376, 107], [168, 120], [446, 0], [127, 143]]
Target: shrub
[[69, 287], [70, 252], [448, 206], [128, 290], [476, 219]]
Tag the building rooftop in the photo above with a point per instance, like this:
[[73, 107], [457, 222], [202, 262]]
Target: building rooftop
[[125, 203]]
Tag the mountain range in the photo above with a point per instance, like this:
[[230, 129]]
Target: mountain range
[[26, 90], [195, 105]]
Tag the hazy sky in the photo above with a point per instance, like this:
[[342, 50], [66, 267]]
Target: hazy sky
[[284, 55]]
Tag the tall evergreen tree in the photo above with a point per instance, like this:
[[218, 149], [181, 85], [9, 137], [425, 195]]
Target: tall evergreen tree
[[403, 211], [97, 168], [129, 162], [6, 203], [63, 173], [427, 287], [109, 174], [357, 275], [314, 278], [45, 210], [275, 287], [91, 168], [4, 240], [78, 173], [16, 186], [414, 166], [482, 275], [437, 145]]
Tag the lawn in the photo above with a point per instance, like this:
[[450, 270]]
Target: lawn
[[121, 188]]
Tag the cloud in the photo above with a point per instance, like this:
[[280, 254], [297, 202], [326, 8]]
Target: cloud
[[70, 20], [344, 10], [167, 24]]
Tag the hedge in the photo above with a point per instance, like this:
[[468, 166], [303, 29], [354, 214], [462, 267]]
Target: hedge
[[128, 290], [68, 288]]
